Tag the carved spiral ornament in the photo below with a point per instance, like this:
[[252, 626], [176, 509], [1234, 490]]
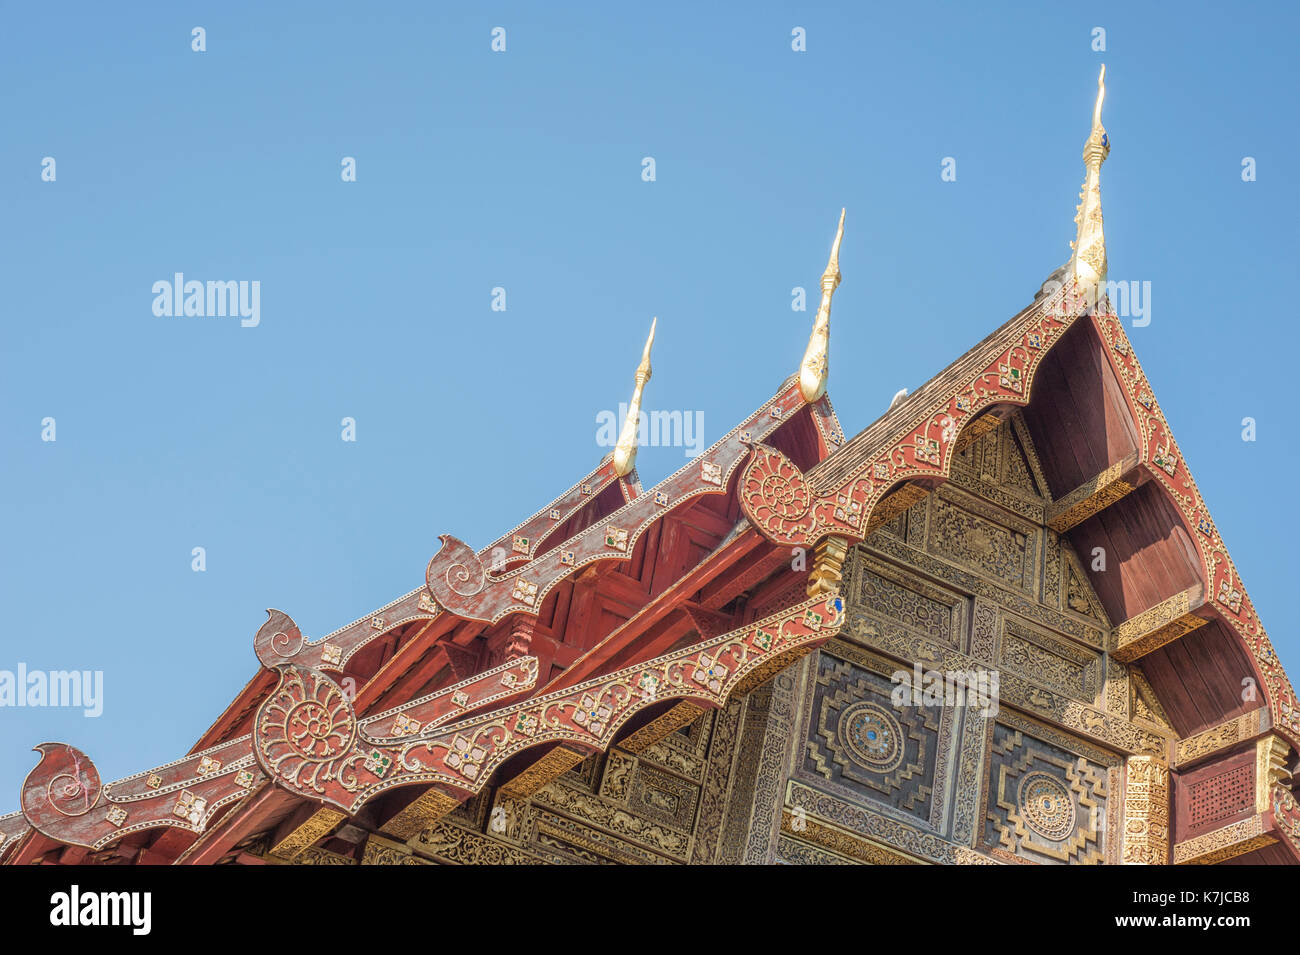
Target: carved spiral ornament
[[455, 568], [776, 496], [873, 736], [306, 731], [1046, 805], [64, 784], [278, 640]]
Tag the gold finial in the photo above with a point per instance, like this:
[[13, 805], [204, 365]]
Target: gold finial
[[816, 357], [625, 450], [1089, 261]]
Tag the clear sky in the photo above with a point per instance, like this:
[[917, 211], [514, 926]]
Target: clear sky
[[523, 170]]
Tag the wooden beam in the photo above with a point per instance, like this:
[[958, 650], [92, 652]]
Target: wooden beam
[[744, 575], [304, 828], [1160, 625], [1225, 736], [662, 726], [1228, 842], [419, 814], [664, 604], [553, 765], [247, 818], [1094, 496]]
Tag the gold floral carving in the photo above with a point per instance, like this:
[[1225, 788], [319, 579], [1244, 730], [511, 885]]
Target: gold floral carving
[[1146, 812], [890, 507], [792, 852], [984, 424], [839, 841], [1092, 497], [313, 828], [1216, 738], [682, 714], [1153, 628], [915, 841], [448, 843], [314, 855], [1222, 844], [379, 851], [554, 764], [431, 806]]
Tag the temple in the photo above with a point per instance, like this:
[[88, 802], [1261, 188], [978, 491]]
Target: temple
[[998, 625]]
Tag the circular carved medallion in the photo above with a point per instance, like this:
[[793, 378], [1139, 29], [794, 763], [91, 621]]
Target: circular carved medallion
[[873, 736], [1046, 805]]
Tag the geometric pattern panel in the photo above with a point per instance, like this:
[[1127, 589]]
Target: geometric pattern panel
[[863, 745], [880, 592], [1047, 803], [1050, 660], [970, 533]]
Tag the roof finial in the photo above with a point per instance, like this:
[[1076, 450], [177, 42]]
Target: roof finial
[[1089, 261], [816, 357], [625, 450]]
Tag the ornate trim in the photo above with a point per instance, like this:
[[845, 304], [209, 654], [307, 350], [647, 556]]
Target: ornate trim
[[187, 793], [1146, 811], [1222, 844], [1161, 624], [306, 740], [307, 833], [464, 585], [1225, 735]]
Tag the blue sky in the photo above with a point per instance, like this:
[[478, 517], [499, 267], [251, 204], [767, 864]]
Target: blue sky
[[522, 170]]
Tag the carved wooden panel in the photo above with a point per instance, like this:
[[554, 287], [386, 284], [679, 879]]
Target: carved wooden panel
[[1049, 796], [978, 537], [881, 592], [859, 744], [1214, 793], [1049, 660]]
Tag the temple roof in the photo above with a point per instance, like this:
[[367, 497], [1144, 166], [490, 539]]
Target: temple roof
[[783, 477]]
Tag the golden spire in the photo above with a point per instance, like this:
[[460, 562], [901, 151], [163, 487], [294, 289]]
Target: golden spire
[[625, 450], [816, 357], [1089, 261]]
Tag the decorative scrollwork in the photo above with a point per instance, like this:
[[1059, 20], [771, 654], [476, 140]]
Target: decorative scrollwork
[[306, 731], [779, 501], [456, 568], [278, 640], [65, 783]]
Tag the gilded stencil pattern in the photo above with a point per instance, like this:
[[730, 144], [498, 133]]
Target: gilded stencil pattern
[[1045, 804], [864, 745], [1035, 654], [960, 532]]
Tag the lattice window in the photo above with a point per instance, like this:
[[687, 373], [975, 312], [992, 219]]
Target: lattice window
[[1219, 796]]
